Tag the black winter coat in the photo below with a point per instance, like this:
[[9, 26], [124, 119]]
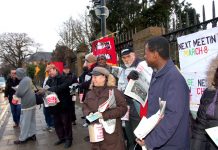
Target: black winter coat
[[9, 92], [60, 85], [200, 139]]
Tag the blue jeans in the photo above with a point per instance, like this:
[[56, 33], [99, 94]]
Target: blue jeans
[[16, 110], [49, 119]]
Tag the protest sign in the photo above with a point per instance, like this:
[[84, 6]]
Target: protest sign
[[195, 53]]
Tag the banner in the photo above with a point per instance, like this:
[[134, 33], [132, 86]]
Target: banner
[[106, 47], [195, 53]]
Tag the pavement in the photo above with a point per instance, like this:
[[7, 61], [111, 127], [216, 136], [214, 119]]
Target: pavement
[[45, 140]]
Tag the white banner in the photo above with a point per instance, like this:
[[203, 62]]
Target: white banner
[[195, 53]]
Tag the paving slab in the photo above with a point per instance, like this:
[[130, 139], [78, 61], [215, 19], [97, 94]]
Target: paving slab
[[45, 139]]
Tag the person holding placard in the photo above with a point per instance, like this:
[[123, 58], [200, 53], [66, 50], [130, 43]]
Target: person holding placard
[[207, 115]]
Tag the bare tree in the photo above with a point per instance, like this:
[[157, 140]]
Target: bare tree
[[74, 32], [15, 48]]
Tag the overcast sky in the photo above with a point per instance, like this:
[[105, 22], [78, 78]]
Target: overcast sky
[[41, 19]]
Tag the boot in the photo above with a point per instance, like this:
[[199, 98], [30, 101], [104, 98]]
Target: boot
[[59, 142], [67, 143]]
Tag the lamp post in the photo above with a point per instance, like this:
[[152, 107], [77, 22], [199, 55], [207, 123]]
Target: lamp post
[[102, 12], [103, 19]]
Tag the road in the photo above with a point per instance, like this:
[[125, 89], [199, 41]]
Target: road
[[45, 139]]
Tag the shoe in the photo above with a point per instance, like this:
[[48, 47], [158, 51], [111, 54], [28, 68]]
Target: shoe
[[32, 138], [16, 126], [59, 142], [67, 144], [85, 125], [20, 142], [49, 129], [73, 122], [87, 139]]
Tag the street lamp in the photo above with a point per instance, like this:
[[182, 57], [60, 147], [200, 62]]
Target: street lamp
[[102, 12]]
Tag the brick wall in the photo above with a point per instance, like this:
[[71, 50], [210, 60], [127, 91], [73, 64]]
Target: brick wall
[[140, 37]]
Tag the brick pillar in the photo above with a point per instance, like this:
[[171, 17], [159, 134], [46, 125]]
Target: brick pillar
[[80, 60], [140, 37]]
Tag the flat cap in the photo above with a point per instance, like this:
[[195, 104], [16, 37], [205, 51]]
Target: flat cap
[[100, 71]]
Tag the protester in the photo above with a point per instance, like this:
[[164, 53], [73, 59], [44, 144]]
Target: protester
[[167, 83], [62, 111], [12, 81], [130, 61], [28, 107], [103, 84], [49, 118], [73, 79], [85, 79], [207, 115], [102, 62]]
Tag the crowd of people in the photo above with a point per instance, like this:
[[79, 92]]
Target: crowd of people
[[97, 84]]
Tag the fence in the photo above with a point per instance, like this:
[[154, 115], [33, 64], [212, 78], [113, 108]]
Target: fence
[[125, 39]]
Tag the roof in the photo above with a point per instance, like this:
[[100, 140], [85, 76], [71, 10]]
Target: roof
[[40, 56]]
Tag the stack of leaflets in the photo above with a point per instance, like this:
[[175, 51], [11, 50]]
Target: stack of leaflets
[[146, 125]]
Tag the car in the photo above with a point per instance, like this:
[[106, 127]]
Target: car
[[2, 84]]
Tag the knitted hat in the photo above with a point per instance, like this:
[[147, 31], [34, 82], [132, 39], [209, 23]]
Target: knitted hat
[[21, 73], [90, 58], [126, 51]]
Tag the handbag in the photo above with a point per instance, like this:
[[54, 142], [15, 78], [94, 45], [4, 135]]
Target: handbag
[[39, 97]]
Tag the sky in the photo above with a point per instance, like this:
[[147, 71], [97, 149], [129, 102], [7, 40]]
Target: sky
[[42, 19], [198, 4]]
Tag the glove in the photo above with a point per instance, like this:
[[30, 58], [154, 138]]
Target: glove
[[134, 75], [87, 121]]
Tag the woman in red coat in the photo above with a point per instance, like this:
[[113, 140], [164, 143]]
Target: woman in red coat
[[103, 84]]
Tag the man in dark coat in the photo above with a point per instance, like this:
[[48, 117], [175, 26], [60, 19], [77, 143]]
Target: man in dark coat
[[73, 79], [12, 81], [85, 79], [167, 83], [62, 111]]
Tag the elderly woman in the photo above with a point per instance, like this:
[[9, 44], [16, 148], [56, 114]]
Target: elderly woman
[[103, 83], [207, 115]]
